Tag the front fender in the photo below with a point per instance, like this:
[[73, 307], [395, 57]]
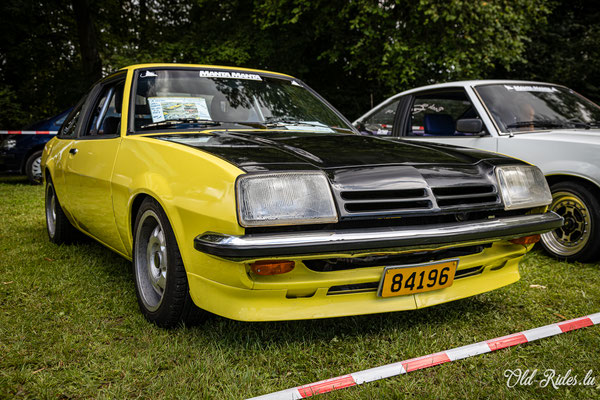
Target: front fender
[[581, 169], [195, 189]]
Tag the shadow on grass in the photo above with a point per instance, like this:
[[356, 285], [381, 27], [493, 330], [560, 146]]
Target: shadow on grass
[[266, 334], [13, 179]]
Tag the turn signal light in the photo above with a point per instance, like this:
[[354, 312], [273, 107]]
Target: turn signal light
[[272, 267], [526, 240]]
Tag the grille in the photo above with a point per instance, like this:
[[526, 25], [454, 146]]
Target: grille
[[418, 200], [450, 197], [386, 200]]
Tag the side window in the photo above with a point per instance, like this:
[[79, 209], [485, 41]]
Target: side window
[[106, 111], [382, 121], [68, 129], [436, 113]]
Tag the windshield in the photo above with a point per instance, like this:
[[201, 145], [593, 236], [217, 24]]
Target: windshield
[[526, 108], [203, 98]]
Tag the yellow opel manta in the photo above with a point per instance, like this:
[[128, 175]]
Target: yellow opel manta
[[244, 194]]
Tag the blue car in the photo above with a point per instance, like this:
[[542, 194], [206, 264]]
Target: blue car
[[22, 153]]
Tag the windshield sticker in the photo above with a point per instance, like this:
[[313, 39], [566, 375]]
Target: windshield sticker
[[166, 108], [519, 88], [148, 74], [311, 126], [192, 141], [229, 75]]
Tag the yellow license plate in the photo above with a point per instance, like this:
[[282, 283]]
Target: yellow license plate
[[411, 279]]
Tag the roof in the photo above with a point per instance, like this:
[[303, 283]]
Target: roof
[[171, 65], [475, 83]]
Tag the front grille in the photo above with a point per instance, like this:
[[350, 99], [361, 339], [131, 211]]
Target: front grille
[[417, 201], [453, 196], [362, 201]]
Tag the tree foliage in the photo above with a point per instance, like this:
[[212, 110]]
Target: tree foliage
[[353, 52]]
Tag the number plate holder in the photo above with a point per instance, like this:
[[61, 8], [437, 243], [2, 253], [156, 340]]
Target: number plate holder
[[388, 287]]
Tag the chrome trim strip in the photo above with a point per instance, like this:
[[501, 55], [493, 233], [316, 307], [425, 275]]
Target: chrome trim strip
[[399, 238]]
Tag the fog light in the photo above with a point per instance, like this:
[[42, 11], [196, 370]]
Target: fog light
[[526, 240], [270, 267]]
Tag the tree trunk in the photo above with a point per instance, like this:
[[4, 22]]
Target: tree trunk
[[90, 59]]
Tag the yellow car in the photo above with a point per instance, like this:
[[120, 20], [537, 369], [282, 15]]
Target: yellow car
[[243, 193]]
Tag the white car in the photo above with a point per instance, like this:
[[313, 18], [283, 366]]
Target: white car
[[548, 125]]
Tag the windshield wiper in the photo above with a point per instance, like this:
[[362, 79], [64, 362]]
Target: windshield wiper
[[536, 124], [172, 122]]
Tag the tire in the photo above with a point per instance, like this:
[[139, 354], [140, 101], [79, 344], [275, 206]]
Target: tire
[[58, 226], [160, 279], [578, 238], [33, 168]]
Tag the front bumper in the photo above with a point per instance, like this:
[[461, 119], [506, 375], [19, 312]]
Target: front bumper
[[402, 238]]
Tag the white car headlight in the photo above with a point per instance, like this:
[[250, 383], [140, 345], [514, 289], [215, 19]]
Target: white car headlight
[[9, 144], [285, 198], [523, 186]]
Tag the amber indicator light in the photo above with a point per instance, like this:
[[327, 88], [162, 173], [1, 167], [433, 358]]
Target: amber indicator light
[[269, 267], [526, 239]]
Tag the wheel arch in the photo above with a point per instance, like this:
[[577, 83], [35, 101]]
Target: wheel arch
[[39, 147], [588, 183]]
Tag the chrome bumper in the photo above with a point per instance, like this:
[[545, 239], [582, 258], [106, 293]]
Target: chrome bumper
[[399, 238]]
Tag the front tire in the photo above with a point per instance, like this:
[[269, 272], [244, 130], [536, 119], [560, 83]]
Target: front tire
[[578, 238], [33, 168], [160, 279]]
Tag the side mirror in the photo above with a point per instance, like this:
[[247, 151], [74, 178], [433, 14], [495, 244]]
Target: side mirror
[[359, 125], [469, 125]]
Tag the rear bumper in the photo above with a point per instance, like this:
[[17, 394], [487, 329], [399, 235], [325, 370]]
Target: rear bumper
[[252, 246]]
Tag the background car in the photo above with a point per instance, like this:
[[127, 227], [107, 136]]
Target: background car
[[243, 193], [22, 153], [548, 125]]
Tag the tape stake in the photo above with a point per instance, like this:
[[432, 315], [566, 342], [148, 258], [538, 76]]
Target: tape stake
[[413, 364], [28, 132]]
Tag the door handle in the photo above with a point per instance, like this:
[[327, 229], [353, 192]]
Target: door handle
[[73, 151]]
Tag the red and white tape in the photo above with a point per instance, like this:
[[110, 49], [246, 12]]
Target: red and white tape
[[403, 367], [28, 132]]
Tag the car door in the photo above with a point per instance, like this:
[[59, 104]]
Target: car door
[[90, 162], [432, 115]]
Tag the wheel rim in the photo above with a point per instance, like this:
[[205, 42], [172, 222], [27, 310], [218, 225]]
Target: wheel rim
[[572, 237], [151, 260], [36, 169], [51, 210]]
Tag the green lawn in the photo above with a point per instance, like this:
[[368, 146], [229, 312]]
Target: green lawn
[[70, 328]]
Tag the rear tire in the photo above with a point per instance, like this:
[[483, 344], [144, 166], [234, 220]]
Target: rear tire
[[58, 226], [160, 279], [33, 168], [578, 238]]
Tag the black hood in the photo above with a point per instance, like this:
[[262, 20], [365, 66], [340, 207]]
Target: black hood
[[369, 176], [277, 150]]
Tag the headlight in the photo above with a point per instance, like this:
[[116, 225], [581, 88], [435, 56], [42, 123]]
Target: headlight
[[287, 198], [523, 186], [9, 144]]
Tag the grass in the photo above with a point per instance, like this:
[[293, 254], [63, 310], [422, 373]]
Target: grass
[[70, 328]]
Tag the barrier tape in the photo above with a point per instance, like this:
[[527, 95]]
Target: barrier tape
[[403, 367], [28, 132]]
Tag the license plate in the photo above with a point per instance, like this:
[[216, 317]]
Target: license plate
[[411, 279]]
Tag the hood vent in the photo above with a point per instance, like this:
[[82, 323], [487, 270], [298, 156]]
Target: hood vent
[[362, 201], [465, 196]]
